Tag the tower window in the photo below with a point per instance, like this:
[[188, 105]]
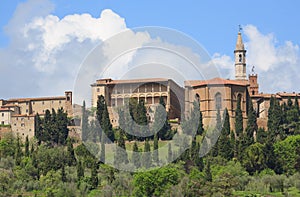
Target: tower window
[[240, 57], [218, 100]]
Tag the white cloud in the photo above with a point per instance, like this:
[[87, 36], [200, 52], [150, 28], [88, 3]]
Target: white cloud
[[276, 63], [45, 52]]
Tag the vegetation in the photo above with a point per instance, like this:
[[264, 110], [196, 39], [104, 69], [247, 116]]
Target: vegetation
[[240, 164]]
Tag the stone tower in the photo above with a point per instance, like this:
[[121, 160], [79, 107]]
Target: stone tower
[[240, 59]]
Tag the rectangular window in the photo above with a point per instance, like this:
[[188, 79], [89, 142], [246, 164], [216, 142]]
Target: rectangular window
[[2, 114], [43, 103], [2, 122], [33, 103]]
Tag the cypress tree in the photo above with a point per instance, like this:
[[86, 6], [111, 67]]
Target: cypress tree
[[248, 136], [297, 104], [193, 151], [224, 142], [38, 128], [218, 128], [102, 152], [54, 131], [274, 120], [18, 153], [100, 108], [63, 174], [121, 154], [297, 162], [289, 103], [146, 155], [71, 160], [207, 171], [155, 149], [196, 117], [62, 125], [136, 156], [84, 123], [170, 154], [106, 125], [238, 118], [80, 170], [46, 127], [27, 146], [199, 160], [164, 132], [94, 175]]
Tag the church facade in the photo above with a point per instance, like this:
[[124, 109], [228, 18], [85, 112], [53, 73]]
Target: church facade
[[212, 94]]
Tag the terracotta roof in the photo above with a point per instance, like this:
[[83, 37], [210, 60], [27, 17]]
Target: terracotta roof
[[286, 94], [23, 115], [215, 81], [36, 99], [277, 95], [147, 80], [10, 105], [4, 109]]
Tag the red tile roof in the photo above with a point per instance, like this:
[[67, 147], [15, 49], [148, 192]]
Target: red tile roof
[[215, 81], [23, 115], [5, 109], [147, 80], [36, 99]]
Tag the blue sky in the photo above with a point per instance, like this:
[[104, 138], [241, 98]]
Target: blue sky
[[269, 25]]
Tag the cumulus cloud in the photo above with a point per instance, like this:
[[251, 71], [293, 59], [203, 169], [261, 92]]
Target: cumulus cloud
[[276, 63], [45, 52]]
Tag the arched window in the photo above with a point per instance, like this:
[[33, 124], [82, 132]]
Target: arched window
[[218, 100], [197, 97], [240, 57]]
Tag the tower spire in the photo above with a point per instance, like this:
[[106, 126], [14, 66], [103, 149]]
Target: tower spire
[[240, 58]]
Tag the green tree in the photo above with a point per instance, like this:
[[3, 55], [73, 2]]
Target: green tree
[[170, 153], [100, 108], [136, 156], [161, 118], [18, 153], [286, 154], [121, 156], [27, 146], [38, 130], [62, 124], [207, 171], [63, 174], [147, 155], [218, 128], [251, 125], [80, 170], [71, 159], [102, 151], [94, 175], [84, 123], [155, 182], [254, 158], [155, 149], [238, 118], [225, 147], [106, 125], [274, 120]]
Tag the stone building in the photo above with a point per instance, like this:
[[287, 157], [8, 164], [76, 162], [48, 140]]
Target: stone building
[[149, 90], [19, 113]]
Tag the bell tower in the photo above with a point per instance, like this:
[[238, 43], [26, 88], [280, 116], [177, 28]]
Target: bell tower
[[240, 58]]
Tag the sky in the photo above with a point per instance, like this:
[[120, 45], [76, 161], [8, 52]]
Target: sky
[[44, 42]]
